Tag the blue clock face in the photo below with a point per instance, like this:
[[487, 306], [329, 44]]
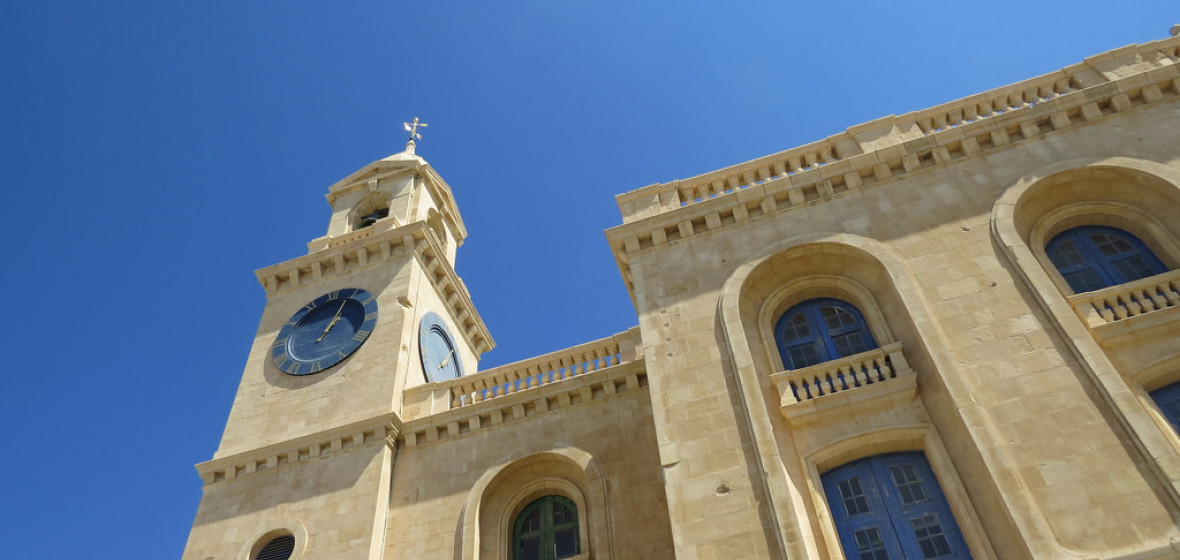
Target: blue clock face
[[325, 331], [440, 358]]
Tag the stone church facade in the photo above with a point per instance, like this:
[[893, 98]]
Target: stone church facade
[[953, 333]]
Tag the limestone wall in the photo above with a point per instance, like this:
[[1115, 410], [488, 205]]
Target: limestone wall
[[1040, 443]]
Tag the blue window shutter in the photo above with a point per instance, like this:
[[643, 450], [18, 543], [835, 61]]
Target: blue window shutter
[[1095, 257], [1168, 400], [907, 507], [822, 329]]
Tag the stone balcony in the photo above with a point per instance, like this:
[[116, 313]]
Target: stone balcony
[[869, 380], [519, 390], [1121, 314], [1133, 299]]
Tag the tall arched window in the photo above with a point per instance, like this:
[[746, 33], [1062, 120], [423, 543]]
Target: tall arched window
[[546, 529], [819, 330], [890, 507], [1095, 257]]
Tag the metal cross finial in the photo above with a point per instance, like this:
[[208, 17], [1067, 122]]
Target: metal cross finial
[[412, 128]]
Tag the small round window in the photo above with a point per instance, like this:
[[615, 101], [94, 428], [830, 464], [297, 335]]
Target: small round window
[[279, 548]]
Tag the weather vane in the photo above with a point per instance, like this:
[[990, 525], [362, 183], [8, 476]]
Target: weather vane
[[412, 128]]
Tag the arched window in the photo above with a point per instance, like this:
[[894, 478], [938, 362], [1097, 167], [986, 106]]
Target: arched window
[[546, 529], [819, 330], [1168, 399], [1095, 257], [373, 208], [279, 548], [890, 507]]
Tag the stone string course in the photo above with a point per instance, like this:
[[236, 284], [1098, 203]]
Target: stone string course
[[579, 375], [381, 430], [887, 149]]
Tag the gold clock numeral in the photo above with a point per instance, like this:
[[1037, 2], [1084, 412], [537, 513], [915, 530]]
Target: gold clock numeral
[[360, 335], [316, 366], [333, 295], [280, 343], [341, 354], [371, 316]]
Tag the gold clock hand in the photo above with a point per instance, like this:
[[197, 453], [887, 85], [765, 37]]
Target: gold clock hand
[[333, 322], [446, 360]]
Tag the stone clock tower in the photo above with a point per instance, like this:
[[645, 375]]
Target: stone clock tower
[[372, 309]]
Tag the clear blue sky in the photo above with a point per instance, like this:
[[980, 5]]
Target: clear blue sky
[[154, 154]]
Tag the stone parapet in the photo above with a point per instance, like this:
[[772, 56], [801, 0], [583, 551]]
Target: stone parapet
[[522, 405], [887, 149], [383, 429], [524, 375]]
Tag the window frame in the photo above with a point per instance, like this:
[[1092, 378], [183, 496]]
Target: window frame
[[886, 507], [284, 527], [1169, 394], [820, 336], [1104, 267], [504, 492], [547, 532], [919, 438], [813, 286]]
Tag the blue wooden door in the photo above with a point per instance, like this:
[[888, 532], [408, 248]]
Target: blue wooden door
[[890, 507]]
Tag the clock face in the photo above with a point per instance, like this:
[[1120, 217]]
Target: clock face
[[325, 331], [440, 358]]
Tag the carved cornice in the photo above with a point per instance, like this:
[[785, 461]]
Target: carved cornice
[[380, 430], [891, 148], [398, 165], [359, 250]]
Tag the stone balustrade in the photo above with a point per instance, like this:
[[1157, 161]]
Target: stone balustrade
[[844, 374], [910, 134], [872, 135], [524, 375], [1140, 297]]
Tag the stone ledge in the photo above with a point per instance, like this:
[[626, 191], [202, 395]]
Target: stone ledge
[[365, 433], [380, 247], [577, 391], [896, 146], [854, 384]]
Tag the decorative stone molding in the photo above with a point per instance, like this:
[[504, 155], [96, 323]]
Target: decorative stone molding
[[845, 374], [523, 375], [887, 149], [522, 405], [399, 165], [374, 431], [1132, 299], [365, 248]]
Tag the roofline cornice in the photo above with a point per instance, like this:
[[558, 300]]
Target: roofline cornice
[[887, 149], [373, 246]]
